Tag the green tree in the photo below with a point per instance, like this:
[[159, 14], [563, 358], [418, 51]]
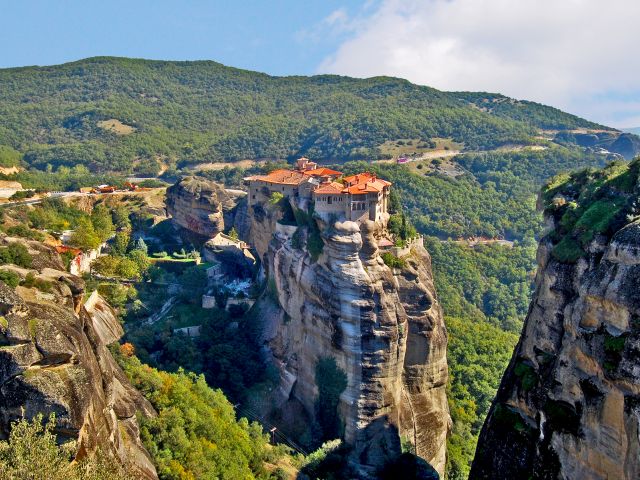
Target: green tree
[[195, 434], [17, 254], [141, 245], [127, 268], [193, 282], [84, 235], [102, 222], [120, 243], [140, 259]]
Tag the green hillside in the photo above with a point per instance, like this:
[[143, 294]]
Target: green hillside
[[117, 114]]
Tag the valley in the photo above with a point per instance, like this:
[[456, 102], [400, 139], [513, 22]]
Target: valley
[[333, 341]]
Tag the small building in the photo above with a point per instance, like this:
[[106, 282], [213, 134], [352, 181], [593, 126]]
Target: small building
[[361, 197], [297, 183], [356, 198]]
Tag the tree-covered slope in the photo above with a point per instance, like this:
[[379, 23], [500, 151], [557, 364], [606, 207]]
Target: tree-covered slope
[[119, 114]]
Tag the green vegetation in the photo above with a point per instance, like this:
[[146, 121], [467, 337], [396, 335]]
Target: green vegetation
[[25, 232], [509, 420], [9, 157], [62, 179], [185, 112], [32, 452], [228, 355], [12, 279], [588, 203], [196, 434], [17, 254], [31, 281], [489, 283], [22, 195], [392, 261], [478, 353], [331, 381], [526, 374]]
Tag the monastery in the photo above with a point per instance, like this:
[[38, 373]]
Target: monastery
[[356, 198]]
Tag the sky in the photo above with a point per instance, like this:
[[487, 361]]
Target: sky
[[578, 55]]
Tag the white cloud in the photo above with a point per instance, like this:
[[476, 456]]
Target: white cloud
[[559, 52]]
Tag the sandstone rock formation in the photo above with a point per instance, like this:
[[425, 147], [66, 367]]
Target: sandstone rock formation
[[197, 204], [382, 326], [54, 359], [569, 403]]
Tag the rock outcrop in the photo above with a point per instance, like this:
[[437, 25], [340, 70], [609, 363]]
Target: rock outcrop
[[196, 204], [54, 359], [569, 403], [383, 327]]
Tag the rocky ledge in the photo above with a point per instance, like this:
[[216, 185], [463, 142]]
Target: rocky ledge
[[54, 359]]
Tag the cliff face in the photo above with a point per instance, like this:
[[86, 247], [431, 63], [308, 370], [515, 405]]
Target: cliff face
[[54, 358], [198, 205], [383, 328], [569, 403]]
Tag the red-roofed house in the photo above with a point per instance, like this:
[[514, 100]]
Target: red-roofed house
[[361, 197], [357, 198]]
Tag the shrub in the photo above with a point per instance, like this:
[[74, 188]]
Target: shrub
[[25, 232], [17, 254], [22, 194], [11, 279], [33, 452], [331, 381], [275, 198], [568, 250], [31, 281], [527, 375], [392, 261]]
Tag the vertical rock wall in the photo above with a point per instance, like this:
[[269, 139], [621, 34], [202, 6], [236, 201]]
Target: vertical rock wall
[[383, 327], [569, 403]]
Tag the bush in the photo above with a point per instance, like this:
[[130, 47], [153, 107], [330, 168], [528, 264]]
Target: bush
[[31, 281], [25, 232], [11, 279], [16, 254], [22, 194], [32, 452], [568, 250], [392, 261], [527, 375]]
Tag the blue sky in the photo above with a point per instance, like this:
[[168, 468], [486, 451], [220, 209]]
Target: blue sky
[[258, 35], [576, 55]]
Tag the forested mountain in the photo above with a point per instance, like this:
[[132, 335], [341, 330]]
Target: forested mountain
[[114, 115], [123, 114]]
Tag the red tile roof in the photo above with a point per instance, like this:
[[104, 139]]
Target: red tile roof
[[329, 188], [366, 182], [282, 176], [321, 172], [385, 242]]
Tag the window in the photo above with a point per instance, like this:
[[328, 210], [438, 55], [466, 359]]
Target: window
[[253, 197], [329, 200]]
